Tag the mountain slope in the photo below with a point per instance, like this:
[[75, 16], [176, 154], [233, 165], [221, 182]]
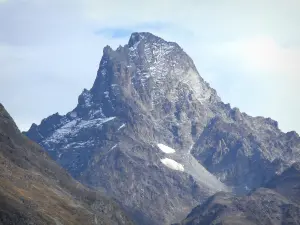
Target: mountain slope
[[35, 190], [287, 183], [246, 152], [277, 204], [149, 93], [144, 95]]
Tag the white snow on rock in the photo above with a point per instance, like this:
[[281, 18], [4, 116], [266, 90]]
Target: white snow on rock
[[79, 144], [166, 149], [72, 128], [96, 113], [183, 161], [113, 147], [106, 94], [172, 164], [87, 96], [122, 126], [162, 59]]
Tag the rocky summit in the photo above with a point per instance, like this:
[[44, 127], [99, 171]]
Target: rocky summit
[[153, 134]]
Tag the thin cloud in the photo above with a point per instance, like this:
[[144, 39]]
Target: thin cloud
[[125, 32], [249, 52]]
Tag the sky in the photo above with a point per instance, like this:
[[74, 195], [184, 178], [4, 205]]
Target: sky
[[249, 51]]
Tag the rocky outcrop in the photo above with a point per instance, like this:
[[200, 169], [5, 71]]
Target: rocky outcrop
[[246, 152]]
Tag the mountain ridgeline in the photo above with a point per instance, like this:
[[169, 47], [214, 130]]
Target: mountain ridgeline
[[153, 134]]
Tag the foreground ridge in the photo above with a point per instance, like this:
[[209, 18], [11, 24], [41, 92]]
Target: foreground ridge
[[35, 190]]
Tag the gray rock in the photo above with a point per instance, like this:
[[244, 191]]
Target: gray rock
[[145, 93], [246, 152], [278, 204], [149, 92], [287, 183]]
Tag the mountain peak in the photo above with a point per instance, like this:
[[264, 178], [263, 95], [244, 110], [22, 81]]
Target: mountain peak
[[148, 68], [147, 37], [136, 37], [107, 50], [148, 94]]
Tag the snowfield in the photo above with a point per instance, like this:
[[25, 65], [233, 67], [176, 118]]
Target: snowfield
[[172, 164], [73, 128], [166, 149]]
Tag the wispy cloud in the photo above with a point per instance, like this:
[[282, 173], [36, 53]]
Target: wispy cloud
[[114, 32], [249, 52], [122, 32]]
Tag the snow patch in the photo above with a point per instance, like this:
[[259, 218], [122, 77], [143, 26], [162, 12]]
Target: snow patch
[[72, 128], [104, 71], [122, 126], [87, 97], [80, 144], [106, 93], [113, 147], [172, 164], [96, 113], [94, 123], [166, 149]]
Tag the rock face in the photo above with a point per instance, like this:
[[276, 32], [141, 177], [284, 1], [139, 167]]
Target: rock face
[[34, 190], [287, 183], [277, 204], [246, 152], [149, 93], [146, 93]]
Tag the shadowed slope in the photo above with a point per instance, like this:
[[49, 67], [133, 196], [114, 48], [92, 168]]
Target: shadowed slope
[[276, 205], [35, 190]]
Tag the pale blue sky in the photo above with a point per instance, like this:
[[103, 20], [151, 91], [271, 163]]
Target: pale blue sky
[[249, 51]]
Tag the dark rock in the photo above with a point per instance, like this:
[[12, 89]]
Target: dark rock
[[34, 190], [277, 205]]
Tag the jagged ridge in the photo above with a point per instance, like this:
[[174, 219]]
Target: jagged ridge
[[149, 92]]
